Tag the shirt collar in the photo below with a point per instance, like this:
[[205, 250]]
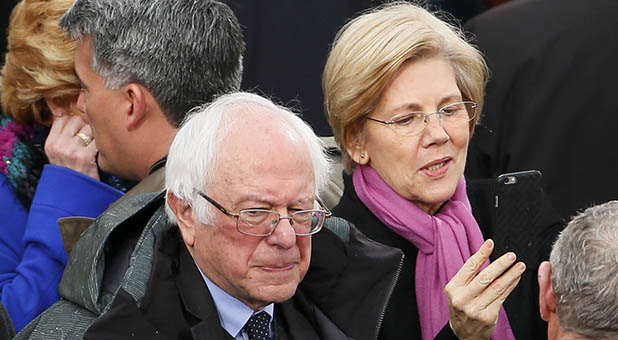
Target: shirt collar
[[158, 164], [233, 313]]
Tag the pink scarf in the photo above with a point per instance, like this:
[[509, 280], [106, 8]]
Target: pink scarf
[[445, 241]]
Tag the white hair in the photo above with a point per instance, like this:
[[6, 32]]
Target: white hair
[[192, 157]]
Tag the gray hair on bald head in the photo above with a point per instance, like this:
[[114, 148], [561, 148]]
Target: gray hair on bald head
[[192, 158], [185, 52], [585, 273]]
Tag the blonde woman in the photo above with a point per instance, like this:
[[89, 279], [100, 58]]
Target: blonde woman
[[47, 158], [403, 91]]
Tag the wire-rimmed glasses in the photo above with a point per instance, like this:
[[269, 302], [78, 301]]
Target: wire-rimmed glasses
[[412, 123], [262, 222]]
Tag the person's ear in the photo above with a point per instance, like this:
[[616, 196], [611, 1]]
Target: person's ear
[[57, 109], [184, 216], [137, 97], [547, 299], [355, 146]]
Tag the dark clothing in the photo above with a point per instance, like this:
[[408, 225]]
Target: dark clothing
[[460, 9], [402, 304], [286, 47], [160, 294], [401, 320], [6, 8], [550, 102], [178, 305], [6, 325]]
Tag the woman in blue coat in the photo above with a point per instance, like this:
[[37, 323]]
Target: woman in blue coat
[[47, 159]]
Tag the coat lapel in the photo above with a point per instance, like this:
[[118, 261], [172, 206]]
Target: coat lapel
[[197, 299]]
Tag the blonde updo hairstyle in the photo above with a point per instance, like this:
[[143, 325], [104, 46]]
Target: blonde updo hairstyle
[[39, 62], [370, 49]]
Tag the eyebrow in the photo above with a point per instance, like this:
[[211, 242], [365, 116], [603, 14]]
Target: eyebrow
[[261, 199], [416, 107]]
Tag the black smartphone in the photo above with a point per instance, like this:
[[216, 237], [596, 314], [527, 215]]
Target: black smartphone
[[517, 210]]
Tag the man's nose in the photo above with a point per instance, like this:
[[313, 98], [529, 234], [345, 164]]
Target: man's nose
[[284, 234]]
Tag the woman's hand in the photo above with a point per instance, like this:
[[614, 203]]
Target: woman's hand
[[475, 298], [70, 144]]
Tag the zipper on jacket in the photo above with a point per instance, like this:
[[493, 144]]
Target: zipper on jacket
[[388, 298]]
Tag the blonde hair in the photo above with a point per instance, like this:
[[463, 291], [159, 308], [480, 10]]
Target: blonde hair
[[39, 62], [370, 49]]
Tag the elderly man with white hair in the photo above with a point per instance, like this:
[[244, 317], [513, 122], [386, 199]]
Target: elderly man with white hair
[[578, 287], [222, 253]]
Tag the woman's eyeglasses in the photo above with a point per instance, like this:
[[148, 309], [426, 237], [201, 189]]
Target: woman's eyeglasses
[[413, 123]]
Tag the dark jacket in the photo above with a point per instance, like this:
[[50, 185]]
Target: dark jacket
[[161, 295], [550, 103], [7, 331], [178, 305], [401, 320]]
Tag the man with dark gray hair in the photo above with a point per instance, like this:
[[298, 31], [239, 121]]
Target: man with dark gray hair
[[578, 287], [142, 65]]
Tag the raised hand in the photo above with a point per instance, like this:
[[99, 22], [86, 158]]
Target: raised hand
[[69, 144], [475, 298]]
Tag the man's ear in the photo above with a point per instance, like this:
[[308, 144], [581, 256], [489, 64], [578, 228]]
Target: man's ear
[[547, 299], [184, 217], [137, 97], [355, 146]]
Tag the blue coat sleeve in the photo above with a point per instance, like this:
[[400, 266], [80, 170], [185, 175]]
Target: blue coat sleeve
[[12, 225], [61, 192]]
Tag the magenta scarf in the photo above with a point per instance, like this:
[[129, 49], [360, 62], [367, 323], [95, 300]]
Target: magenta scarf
[[445, 241]]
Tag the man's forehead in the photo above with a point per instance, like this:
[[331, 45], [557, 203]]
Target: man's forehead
[[261, 165], [261, 132], [263, 151], [83, 57]]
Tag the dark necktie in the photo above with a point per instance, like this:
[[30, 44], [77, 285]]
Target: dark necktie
[[258, 326]]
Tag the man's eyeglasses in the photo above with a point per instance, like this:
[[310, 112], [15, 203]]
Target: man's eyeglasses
[[262, 222], [412, 123]]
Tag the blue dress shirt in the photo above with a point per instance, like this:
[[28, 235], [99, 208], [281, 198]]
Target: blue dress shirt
[[233, 313]]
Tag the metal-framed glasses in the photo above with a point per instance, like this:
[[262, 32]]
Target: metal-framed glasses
[[412, 123], [262, 222]]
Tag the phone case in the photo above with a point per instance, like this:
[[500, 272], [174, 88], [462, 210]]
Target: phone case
[[517, 210]]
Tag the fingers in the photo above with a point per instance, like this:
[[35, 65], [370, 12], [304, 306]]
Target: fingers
[[64, 127], [490, 288], [57, 127], [70, 144], [86, 129], [501, 286], [491, 273], [74, 125], [475, 298], [471, 267]]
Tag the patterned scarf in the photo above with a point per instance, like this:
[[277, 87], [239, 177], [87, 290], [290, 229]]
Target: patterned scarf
[[445, 241], [22, 158]]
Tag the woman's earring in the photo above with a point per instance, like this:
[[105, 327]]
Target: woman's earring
[[362, 155]]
